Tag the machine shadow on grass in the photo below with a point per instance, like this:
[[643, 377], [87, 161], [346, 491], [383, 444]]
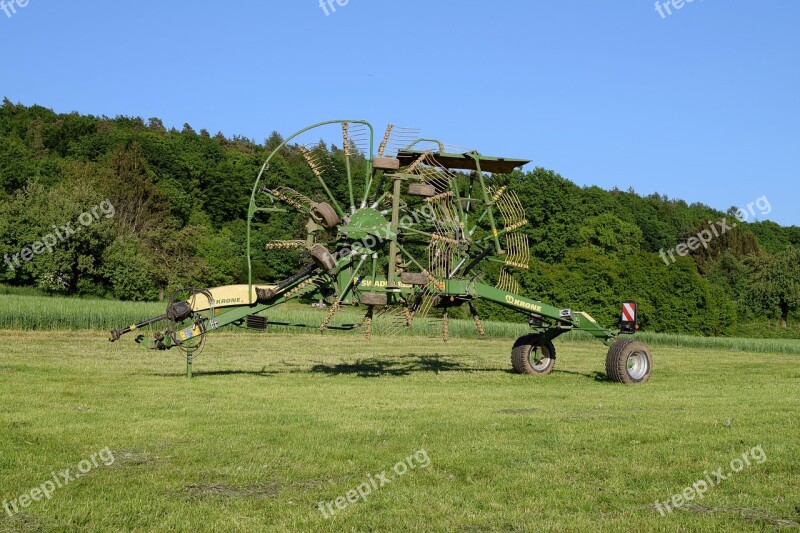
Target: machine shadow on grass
[[376, 367], [213, 373], [389, 366], [597, 376]]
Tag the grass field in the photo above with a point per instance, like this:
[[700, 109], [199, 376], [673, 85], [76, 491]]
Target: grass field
[[273, 424]]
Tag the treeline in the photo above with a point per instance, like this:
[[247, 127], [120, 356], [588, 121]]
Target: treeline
[[180, 201]]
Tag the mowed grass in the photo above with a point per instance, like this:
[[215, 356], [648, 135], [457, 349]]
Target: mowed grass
[[274, 423]]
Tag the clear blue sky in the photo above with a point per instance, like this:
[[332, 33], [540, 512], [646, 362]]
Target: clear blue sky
[[700, 105]]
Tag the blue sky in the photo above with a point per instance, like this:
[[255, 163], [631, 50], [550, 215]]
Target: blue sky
[[700, 105]]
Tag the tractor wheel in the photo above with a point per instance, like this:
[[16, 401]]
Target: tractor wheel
[[530, 356], [629, 361]]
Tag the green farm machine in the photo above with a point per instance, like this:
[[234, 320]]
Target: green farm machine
[[412, 229]]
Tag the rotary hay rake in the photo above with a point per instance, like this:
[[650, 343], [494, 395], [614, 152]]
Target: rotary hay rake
[[405, 233]]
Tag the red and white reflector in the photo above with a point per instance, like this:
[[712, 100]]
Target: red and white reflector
[[630, 320], [629, 312]]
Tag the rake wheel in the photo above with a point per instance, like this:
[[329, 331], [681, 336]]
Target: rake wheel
[[531, 356]]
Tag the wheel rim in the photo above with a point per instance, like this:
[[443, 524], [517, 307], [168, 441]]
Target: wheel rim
[[638, 365], [538, 359]]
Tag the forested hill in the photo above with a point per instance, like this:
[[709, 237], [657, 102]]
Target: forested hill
[[180, 198]]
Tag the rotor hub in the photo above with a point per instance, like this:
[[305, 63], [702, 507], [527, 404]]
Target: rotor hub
[[367, 222]]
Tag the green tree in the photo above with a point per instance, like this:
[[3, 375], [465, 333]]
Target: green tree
[[128, 269], [775, 283], [609, 235]]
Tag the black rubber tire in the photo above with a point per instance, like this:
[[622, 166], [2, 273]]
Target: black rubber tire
[[326, 215], [532, 344], [323, 257], [629, 361]]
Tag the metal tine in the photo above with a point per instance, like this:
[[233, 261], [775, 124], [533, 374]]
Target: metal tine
[[345, 139], [320, 158], [525, 248], [314, 151], [424, 301], [441, 205], [419, 315], [384, 321], [349, 147], [508, 282], [392, 321], [446, 219], [292, 197], [440, 183], [440, 259], [501, 280], [511, 250], [521, 250], [434, 252], [443, 219], [399, 138], [512, 256], [512, 283], [444, 196], [426, 165], [518, 208], [416, 164], [393, 150], [448, 174], [518, 252], [502, 206], [313, 159], [425, 306], [511, 210], [359, 128], [400, 143], [497, 195], [286, 245], [402, 136], [385, 140], [396, 137], [321, 165], [359, 135], [355, 142], [401, 132], [456, 149], [519, 211], [359, 150], [433, 146], [355, 147]]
